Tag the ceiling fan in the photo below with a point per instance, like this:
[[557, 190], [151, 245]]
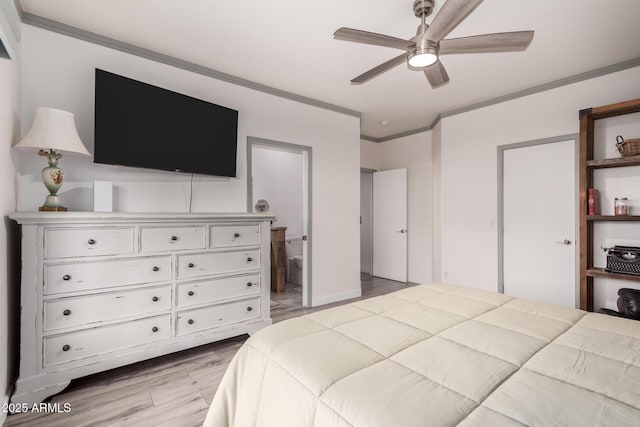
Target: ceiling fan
[[422, 52]]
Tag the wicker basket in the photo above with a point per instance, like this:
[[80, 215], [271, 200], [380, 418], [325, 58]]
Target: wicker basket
[[628, 147]]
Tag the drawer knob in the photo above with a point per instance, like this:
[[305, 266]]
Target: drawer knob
[[155, 268], [91, 242], [190, 321], [66, 347], [154, 329], [249, 308], [190, 293], [249, 259], [155, 299], [66, 277], [66, 312], [249, 284], [190, 265], [174, 238], [236, 235]]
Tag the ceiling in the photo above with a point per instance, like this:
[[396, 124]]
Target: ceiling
[[288, 45]]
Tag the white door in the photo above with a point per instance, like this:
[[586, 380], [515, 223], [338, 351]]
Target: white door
[[366, 222], [539, 222], [390, 224]]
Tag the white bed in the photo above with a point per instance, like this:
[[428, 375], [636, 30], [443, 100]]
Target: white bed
[[436, 355]]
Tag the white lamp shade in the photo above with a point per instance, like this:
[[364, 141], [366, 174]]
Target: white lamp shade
[[53, 130]]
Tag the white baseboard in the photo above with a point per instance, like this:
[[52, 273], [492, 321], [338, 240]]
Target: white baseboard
[[3, 414], [336, 297]]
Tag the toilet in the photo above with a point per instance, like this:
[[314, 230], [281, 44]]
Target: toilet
[[294, 260]]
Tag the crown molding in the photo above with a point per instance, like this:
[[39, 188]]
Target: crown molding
[[369, 138], [55, 26], [91, 37], [565, 81], [396, 135]]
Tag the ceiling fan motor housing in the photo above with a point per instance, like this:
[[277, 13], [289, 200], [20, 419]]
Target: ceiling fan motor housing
[[423, 46], [423, 7]]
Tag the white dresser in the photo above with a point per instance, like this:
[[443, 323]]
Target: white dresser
[[102, 290]]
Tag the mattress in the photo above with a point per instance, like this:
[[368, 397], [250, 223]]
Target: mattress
[[436, 355]]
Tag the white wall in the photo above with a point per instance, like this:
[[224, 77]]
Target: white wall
[[469, 168], [58, 71], [413, 153], [369, 155], [277, 178], [9, 133]]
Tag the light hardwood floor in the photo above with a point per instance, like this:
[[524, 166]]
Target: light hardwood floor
[[168, 391]]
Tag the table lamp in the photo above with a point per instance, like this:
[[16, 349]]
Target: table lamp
[[52, 133]]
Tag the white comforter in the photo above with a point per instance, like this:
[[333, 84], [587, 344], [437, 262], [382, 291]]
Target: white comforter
[[436, 355]]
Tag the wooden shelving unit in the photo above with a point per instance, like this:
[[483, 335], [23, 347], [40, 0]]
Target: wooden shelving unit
[[614, 163], [613, 218], [587, 167], [600, 272]]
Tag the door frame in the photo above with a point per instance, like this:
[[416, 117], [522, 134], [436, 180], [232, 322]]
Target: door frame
[[307, 171], [370, 254], [551, 140]]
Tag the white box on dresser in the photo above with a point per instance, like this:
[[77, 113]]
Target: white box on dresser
[[102, 290]]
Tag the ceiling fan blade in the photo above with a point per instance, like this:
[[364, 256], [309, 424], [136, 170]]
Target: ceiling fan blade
[[451, 14], [359, 36], [376, 71], [436, 74], [486, 43]]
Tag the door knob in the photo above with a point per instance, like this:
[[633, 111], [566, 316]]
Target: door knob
[[565, 242], [402, 231]]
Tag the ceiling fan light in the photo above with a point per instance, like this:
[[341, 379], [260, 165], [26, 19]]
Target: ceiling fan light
[[422, 57], [422, 60]]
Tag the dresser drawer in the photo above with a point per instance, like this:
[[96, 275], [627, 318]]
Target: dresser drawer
[[161, 239], [217, 289], [92, 342], [105, 274], [222, 236], [79, 242], [194, 265], [71, 312], [210, 317]]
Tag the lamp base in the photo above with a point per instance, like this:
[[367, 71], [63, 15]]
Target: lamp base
[[52, 209], [52, 204]]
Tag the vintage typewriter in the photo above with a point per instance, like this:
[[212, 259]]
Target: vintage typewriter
[[623, 259]]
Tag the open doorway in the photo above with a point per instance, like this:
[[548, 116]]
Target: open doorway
[[366, 221], [280, 174]]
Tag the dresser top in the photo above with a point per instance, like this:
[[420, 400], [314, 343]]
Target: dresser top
[[131, 217]]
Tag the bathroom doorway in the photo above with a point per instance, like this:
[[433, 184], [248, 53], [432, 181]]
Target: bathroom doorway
[[280, 174]]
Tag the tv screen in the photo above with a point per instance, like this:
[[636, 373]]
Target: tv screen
[[141, 125]]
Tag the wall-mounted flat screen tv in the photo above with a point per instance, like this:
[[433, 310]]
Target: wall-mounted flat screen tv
[[141, 125]]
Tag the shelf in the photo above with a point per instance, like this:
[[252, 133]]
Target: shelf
[[612, 110], [614, 163], [613, 217], [587, 173], [600, 272]]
